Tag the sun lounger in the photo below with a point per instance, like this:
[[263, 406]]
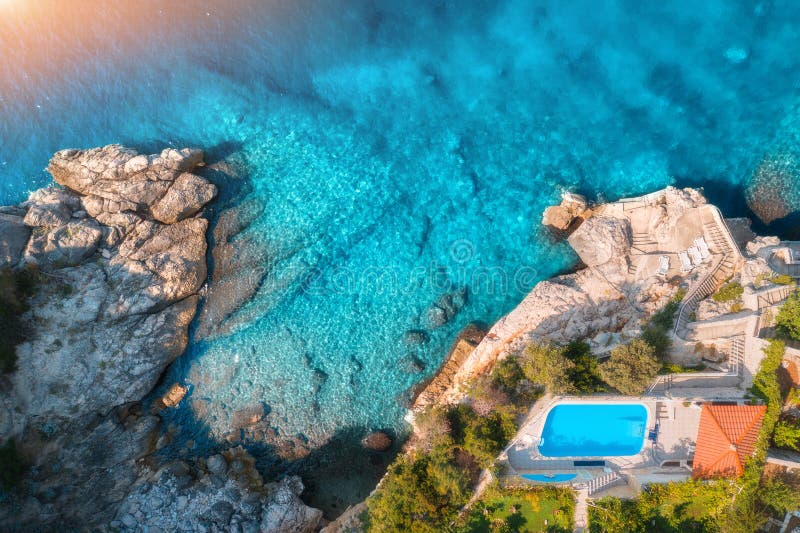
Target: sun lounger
[[663, 265], [702, 246], [694, 253], [686, 264]]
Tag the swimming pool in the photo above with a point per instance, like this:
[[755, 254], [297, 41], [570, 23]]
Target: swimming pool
[[593, 430]]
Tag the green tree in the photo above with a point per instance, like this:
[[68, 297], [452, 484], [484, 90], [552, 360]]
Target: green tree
[[788, 318], [547, 365], [631, 367], [779, 496], [584, 375], [787, 435], [418, 495], [485, 437]]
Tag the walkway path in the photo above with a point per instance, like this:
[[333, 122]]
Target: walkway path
[[581, 516]]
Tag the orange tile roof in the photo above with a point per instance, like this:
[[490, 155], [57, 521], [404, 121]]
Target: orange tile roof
[[726, 438]]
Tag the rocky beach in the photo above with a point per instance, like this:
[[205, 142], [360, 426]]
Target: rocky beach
[[119, 258]]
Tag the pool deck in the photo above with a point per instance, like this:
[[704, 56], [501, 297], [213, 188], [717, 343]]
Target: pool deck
[[678, 422]]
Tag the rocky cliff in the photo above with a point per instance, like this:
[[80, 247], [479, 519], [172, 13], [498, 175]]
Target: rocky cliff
[[120, 257]]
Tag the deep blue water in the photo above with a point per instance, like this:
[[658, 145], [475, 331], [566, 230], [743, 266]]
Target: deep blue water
[[418, 139], [593, 430]]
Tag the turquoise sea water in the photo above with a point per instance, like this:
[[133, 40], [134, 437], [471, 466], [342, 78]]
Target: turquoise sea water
[[593, 430], [418, 140]]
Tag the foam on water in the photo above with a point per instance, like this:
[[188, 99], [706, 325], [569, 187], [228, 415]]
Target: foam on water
[[418, 139]]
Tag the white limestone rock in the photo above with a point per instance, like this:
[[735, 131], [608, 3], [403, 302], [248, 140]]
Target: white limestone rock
[[614, 234], [14, 234]]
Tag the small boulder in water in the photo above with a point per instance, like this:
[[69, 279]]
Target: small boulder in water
[[445, 308], [377, 441]]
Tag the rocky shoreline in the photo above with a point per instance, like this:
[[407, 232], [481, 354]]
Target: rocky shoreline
[[119, 255]]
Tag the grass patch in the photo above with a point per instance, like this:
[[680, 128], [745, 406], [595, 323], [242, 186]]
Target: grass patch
[[521, 510]]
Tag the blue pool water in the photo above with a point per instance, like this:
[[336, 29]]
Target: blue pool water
[[593, 430], [554, 478], [420, 139]]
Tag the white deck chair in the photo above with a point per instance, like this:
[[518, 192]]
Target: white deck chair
[[663, 265], [686, 264], [701, 245], [694, 253]]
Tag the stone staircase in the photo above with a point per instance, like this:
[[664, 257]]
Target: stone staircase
[[605, 481], [736, 357], [707, 287], [643, 243]]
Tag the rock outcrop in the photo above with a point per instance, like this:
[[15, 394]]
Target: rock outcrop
[[120, 253], [229, 495], [614, 234], [564, 216]]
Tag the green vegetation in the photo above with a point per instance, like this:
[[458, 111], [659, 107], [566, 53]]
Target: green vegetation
[[424, 490], [548, 366], [11, 465], [483, 437], [521, 510], [788, 318], [673, 507], [730, 292], [631, 367], [656, 332], [782, 279], [419, 494], [15, 288], [672, 368], [787, 434], [584, 374]]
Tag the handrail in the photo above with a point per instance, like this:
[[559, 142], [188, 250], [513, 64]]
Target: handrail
[[727, 233], [692, 293]]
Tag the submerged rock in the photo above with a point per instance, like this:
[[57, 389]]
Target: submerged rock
[[378, 441], [445, 308], [415, 337]]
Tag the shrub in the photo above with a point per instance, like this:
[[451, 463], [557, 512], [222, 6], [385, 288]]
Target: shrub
[[656, 332], [432, 428], [788, 317], [778, 496], [485, 437], [631, 367], [728, 293], [11, 465], [782, 279], [787, 435], [547, 365], [507, 376], [584, 375]]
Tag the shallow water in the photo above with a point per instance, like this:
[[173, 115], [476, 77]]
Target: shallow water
[[414, 142]]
